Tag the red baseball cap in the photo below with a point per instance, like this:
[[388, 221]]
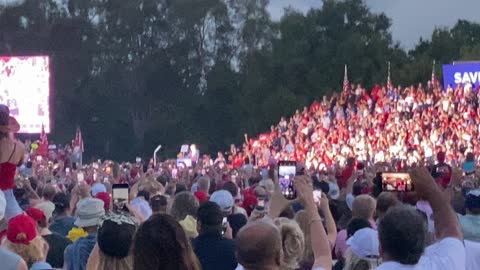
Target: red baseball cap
[[105, 197], [21, 229], [36, 214], [249, 203], [201, 196]]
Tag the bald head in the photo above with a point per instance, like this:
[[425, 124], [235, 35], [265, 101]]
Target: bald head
[[259, 246]]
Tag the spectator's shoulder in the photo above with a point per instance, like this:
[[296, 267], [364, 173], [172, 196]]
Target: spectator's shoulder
[[68, 250], [228, 243], [449, 253]]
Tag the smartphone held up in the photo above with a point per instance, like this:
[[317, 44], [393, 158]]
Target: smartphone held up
[[398, 182], [317, 195], [120, 196], [224, 225], [287, 170]]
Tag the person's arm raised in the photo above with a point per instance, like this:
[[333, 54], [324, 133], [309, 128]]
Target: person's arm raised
[[278, 203], [350, 182], [446, 222], [319, 241], [330, 222]]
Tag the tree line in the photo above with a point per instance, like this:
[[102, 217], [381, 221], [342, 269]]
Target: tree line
[[138, 73]]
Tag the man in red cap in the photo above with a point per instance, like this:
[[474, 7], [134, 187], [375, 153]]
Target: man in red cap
[[105, 197], [22, 239], [201, 196]]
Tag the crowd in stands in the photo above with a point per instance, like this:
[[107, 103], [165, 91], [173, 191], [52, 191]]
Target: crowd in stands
[[228, 212]]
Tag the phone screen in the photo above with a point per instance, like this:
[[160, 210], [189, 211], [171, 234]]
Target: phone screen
[[317, 195], [80, 177], [261, 203], [119, 196], [399, 182], [224, 225], [286, 174]]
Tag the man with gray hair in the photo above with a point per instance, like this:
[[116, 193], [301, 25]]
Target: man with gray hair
[[203, 184], [201, 188]]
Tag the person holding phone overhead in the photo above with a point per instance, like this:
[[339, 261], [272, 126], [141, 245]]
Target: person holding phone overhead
[[11, 156]]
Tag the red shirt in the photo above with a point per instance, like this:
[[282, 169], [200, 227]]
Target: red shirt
[[346, 174], [315, 106], [237, 161]]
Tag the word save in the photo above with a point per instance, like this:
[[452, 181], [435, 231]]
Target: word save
[[467, 77]]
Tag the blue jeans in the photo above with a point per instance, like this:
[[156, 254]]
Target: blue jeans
[[13, 208]]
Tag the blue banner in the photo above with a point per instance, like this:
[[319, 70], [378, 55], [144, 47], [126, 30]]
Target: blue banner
[[461, 74]]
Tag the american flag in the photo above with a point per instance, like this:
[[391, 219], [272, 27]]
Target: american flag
[[389, 79], [43, 136], [42, 149], [346, 83], [79, 140], [434, 78]]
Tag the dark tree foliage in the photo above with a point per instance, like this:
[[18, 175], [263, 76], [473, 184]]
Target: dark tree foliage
[[138, 73]]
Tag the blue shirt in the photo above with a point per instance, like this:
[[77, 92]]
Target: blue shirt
[[41, 266], [9, 260], [76, 254]]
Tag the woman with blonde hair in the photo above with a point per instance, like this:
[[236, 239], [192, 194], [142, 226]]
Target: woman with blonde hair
[[22, 239], [293, 243], [114, 242]]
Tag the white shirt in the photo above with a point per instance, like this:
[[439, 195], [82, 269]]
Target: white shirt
[[448, 254], [472, 251]]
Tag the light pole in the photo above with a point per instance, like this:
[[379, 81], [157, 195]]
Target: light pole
[[155, 154]]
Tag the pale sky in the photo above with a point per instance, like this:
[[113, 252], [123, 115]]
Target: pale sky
[[411, 19]]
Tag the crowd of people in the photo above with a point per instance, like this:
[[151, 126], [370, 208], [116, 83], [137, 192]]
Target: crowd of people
[[228, 212], [407, 125]]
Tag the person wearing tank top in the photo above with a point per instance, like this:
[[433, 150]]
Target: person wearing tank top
[[11, 155]]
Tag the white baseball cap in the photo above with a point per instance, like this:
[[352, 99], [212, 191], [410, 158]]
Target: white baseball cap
[[364, 243], [224, 199], [3, 205], [97, 188]]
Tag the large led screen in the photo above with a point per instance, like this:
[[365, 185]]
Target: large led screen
[[25, 89]]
